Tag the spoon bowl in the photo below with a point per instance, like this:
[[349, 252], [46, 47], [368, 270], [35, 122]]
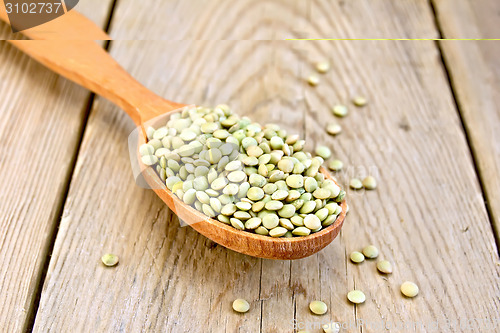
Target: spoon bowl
[[240, 241], [86, 63]]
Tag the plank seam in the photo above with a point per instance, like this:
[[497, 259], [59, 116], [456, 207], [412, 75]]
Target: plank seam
[[89, 103], [472, 151]]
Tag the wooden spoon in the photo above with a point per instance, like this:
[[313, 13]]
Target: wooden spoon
[[87, 64]]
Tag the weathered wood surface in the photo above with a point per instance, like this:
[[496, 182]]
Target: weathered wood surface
[[427, 216], [40, 129], [470, 62]]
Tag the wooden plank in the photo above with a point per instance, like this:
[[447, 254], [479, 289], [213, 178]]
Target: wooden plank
[[40, 129], [172, 279], [468, 63]]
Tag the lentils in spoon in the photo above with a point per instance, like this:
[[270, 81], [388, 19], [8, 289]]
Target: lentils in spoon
[[254, 178]]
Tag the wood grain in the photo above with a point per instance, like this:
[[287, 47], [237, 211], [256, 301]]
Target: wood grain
[[469, 62], [427, 216], [40, 129]]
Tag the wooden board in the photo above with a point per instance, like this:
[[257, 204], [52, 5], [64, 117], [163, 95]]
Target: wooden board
[[469, 62], [427, 215], [40, 129]]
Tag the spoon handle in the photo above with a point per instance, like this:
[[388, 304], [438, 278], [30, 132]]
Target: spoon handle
[[88, 64]]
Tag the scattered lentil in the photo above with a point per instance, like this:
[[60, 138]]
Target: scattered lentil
[[357, 257], [109, 259], [359, 101], [370, 252], [241, 305], [313, 80], [384, 266], [324, 152], [335, 165], [333, 129], [340, 110], [356, 296], [409, 289], [318, 307], [355, 184], [331, 327], [323, 66], [369, 183]]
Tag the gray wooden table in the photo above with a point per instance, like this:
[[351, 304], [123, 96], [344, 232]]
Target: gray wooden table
[[430, 134]]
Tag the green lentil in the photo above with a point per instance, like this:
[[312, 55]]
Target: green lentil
[[322, 193], [149, 159], [255, 193], [357, 257], [335, 165], [313, 80], [253, 223], [384, 266], [331, 327], [355, 184], [109, 259], [369, 183], [236, 176], [241, 305], [308, 207], [285, 223], [228, 209], [329, 220], [312, 222], [409, 289], [340, 110], [356, 296], [262, 231], [270, 221], [359, 101], [324, 152], [295, 181], [301, 231], [318, 307], [333, 129], [310, 184], [370, 251], [237, 224], [323, 66], [279, 195], [287, 211], [242, 215], [243, 205], [277, 232], [257, 180]]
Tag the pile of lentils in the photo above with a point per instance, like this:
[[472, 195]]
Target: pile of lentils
[[252, 177]]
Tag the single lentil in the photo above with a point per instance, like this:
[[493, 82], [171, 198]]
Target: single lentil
[[324, 152], [109, 259], [340, 110], [355, 184], [241, 305], [357, 257], [356, 296], [322, 66], [370, 252], [318, 307], [313, 80], [359, 101], [331, 327], [384, 266], [333, 129], [369, 183], [409, 289], [335, 165]]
